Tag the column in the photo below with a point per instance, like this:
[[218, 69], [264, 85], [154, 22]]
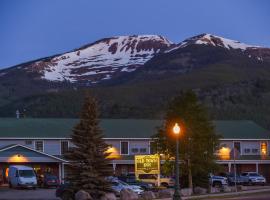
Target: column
[[257, 167], [60, 172], [229, 167]]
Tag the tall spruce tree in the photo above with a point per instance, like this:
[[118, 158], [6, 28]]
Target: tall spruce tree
[[89, 166], [198, 140]]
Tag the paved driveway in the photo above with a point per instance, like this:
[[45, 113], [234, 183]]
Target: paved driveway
[[27, 194]]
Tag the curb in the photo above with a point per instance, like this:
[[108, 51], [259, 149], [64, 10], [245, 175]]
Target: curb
[[223, 194]]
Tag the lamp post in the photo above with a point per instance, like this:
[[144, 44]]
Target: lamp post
[[176, 131]]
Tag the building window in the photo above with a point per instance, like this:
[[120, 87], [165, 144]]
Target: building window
[[247, 150], [134, 150], [237, 146], [64, 147], [39, 146], [153, 148], [142, 150], [124, 148], [264, 148], [255, 151], [28, 142]]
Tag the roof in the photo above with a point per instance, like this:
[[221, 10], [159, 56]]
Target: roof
[[8, 150], [118, 128], [62, 128], [241, 129]]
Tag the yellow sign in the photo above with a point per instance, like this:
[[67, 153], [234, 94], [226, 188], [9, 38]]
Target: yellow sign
[[147, 164]]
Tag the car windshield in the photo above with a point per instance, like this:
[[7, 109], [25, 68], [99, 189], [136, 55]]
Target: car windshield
[[254, 174], [26, 173]]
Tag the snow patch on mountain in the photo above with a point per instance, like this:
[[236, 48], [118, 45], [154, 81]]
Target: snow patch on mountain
[[214, 40], [104, 58]]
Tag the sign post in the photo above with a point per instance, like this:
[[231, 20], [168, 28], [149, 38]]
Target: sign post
[[147, 164]]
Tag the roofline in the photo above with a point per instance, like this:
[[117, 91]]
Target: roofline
[[118, 138], [66, 138], [16, 145], [249, 139]]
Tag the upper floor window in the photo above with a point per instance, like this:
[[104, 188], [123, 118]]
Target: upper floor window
[[255, 150], [64, 146], [28, 142], [247, 150], [124, 147], [142, 150], [237, 146], [39, 146], [134, 150], [264, 148]]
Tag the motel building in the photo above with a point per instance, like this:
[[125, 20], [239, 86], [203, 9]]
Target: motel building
[[41, 143]]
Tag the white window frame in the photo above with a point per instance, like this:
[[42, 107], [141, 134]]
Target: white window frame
[[121, 147], [60, 151], [240, 146], [42, 145]]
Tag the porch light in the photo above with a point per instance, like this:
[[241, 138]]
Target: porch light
[[224, 153], [113, 153], [18, 158], [264, 148]]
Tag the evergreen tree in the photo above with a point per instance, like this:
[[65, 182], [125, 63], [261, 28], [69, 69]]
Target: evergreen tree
[[89, 166], [198, 140]]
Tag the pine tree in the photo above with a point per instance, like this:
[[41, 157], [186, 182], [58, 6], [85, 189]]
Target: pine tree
[[89, 166], [198, 140]]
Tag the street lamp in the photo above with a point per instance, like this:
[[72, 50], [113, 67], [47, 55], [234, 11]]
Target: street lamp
[[176, 131]]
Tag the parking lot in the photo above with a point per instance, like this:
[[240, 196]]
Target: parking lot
[[27, 194]]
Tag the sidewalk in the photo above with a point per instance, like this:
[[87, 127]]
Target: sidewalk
[[206, 196]]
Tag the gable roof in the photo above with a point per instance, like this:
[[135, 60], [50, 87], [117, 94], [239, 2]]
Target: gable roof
[[13, 146], [118, 128]]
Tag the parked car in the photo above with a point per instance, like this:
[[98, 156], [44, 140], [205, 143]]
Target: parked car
[[254, 178], [240, 180], [153, 178], [48, 180], [118, 185], [64, 192], [217, 181], [22, 176], [131, 180]]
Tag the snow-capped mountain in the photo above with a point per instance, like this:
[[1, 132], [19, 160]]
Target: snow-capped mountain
[[113, 58], [215, 41], [101, 60]]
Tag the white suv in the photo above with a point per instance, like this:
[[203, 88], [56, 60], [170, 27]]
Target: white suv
[[153, 178], [254, 178]]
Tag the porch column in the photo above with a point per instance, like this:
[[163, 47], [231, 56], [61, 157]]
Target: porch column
[[60, 172], [229, 167], [257, 167], [114, 167]]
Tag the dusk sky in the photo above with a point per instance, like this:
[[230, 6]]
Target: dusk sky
[[31, 29]]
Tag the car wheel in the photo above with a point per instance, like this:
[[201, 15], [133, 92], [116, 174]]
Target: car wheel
[[34, 188], [67, 196]]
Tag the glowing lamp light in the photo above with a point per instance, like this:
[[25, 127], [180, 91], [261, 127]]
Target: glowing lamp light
[[113, 153], [176, 129], [18, 158], [224, 153], [264, 148]]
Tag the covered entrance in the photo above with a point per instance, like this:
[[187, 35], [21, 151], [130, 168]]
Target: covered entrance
[[21, 155]]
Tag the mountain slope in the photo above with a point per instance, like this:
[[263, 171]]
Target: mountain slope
[[135, 76]]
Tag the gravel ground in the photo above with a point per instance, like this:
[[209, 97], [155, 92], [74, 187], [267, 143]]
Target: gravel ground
[[27, 194]]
